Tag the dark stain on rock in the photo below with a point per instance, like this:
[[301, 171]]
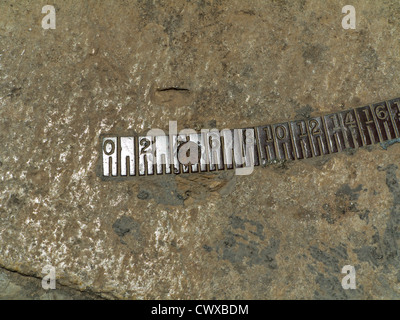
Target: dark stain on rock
[[129, 232], [247, 71], [211, 124], [383, 251], [327, 215], [304, 112], [345, 202], [346, 198], [15, 92], [330, 258], [14, 201], [347, 191], [305, 214], [238, 223], [162, 189], [242, 246], [143, 195], [125, 225], [365, 216], [312, 54], [350, 151], [236, 252], [371, 59], [392, 232], [371, 253]]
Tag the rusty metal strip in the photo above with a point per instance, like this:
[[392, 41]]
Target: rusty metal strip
[[147, 155]]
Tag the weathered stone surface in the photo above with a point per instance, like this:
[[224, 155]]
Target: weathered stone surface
[[285, 231]]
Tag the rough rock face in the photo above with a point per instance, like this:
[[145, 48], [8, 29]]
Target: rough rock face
[[283, 232]]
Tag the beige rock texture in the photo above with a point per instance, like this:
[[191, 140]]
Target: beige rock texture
[[284, 232]]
